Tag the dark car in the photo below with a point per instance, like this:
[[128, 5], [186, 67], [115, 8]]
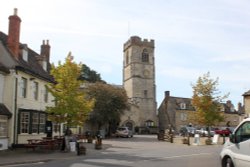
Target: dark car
[[185, 131]]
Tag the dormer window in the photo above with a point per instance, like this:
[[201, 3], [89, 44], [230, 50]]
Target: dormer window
[[25, 54], [183, 106]]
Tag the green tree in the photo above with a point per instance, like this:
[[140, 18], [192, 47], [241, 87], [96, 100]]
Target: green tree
[[71, 105], [89, 75], [110, 102], [207, 101]]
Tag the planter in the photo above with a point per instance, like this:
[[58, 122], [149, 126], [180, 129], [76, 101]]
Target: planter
[[185, 141], [208, 141], [98, 145], [90, 140]]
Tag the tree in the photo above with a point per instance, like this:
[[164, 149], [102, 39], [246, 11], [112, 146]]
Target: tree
[[207, 101], [110, 102], [71, 105], [89, 75]]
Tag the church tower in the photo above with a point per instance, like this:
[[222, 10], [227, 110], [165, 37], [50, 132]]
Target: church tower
[[139, 83]]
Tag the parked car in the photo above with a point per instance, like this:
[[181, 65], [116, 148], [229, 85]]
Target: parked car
[[186, 130], [223, 131], [123, 132], [235, 152], [204, 131]]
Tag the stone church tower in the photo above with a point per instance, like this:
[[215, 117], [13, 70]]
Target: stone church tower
[[139, 83]]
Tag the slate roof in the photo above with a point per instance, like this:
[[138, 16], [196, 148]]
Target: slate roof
[[4, 69], [246, 93], [32, 66], [4, 110], [176, 101]]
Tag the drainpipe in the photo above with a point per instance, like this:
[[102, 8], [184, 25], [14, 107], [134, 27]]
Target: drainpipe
[[15, 111]]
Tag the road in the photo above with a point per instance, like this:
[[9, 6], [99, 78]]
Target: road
[[142, 151]]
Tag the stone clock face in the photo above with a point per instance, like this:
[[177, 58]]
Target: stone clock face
[[146, 73]]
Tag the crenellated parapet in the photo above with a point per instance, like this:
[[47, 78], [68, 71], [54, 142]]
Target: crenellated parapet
[[135, 40]]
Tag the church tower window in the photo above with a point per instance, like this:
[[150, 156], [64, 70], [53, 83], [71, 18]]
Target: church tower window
[[127, 58], [145, 55]]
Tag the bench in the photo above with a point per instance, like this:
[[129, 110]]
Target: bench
[[42, 144]]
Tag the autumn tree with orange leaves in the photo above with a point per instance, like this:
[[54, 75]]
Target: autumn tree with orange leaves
[[207, 101]]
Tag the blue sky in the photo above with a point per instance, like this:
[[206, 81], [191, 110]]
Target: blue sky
[[191, 37]]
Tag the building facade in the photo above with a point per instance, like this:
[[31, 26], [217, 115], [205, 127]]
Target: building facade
[[179, 112], [24, 91], [139, 83], [246, 102]]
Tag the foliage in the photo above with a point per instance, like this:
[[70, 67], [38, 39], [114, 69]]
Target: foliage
[[207, 101], [89, 75], [110, 103], [71, 105]]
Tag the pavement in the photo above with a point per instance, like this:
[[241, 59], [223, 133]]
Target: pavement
[[22, 156]]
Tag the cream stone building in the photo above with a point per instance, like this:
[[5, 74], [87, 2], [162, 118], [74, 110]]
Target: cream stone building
[[23, 88], [139, 83], [246, 103], [178, 112]]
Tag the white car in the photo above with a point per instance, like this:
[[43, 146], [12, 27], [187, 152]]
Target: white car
[[236, 150], [123, 132]]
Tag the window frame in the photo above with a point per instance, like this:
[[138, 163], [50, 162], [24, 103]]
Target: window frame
[[24, 122], [145, 56], [46, 95], [35, 90], [34, 123], [23, 87], [240, 136], [3, 126]]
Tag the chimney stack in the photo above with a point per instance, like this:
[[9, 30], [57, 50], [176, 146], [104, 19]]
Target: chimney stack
[[45, 50], [14, 34]]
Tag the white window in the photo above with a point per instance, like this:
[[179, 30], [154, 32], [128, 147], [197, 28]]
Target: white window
[[149, 123], [23, 87], [56, 127], [35, 122], [183, 106], [24, 122], [3, 126], [42, 121], [183, 116], [46, 94], [35, 90], [25, 55]]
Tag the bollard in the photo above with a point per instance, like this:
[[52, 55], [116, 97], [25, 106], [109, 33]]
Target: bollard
[[171, 138], [188, 140]]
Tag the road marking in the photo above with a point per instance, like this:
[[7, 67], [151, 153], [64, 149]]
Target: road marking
[[21, 164], [187, 155], [108, 161]]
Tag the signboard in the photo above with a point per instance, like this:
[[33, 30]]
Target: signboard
[[215, 139], [196, 139]]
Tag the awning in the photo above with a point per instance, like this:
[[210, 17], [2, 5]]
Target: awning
[[4, 110]]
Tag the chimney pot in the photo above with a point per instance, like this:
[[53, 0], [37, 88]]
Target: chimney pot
[[15, 11]]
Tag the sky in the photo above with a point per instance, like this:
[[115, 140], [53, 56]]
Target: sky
[[192, 37]]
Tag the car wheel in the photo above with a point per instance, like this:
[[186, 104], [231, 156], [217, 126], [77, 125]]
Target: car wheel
[[228, 162]]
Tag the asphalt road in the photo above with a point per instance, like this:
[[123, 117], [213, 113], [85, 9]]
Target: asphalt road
[[142, 151]]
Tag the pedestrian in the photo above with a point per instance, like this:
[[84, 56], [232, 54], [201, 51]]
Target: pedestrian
[[67, 138]]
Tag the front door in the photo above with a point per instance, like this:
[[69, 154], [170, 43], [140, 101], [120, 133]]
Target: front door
[[129, 125]]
